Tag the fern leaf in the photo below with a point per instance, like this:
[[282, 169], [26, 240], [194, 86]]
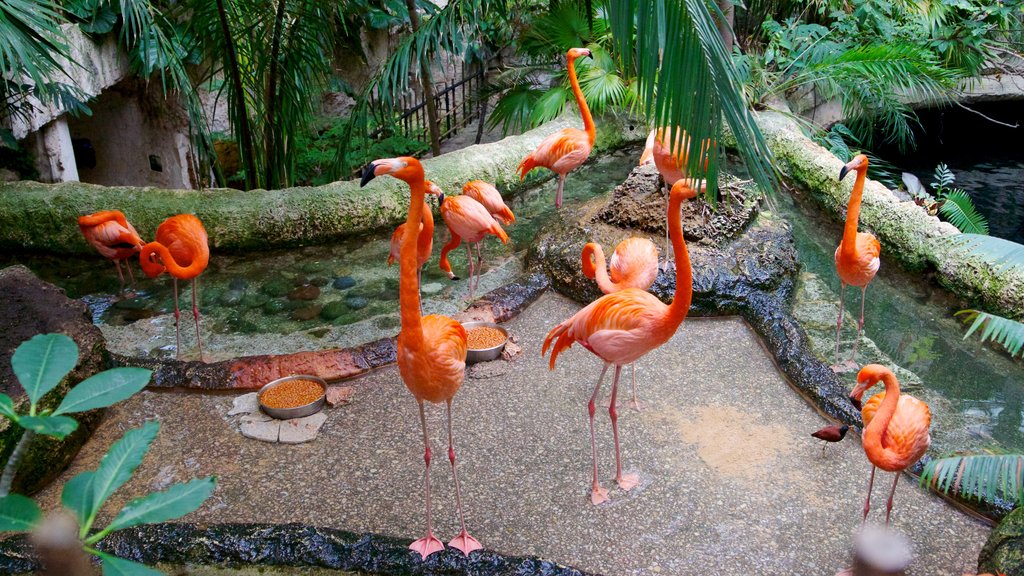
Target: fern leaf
[[985, 477], [943, 177], [1001, 254], [958, 209], [1006, 332]]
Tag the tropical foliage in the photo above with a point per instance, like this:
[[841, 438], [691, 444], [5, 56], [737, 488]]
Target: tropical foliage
[[987, 477], [956, 205], [1003, 331]]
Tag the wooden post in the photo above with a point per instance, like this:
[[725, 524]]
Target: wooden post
[[428, 89]]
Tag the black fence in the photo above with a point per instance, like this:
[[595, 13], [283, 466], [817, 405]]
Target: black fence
[[457, 105]]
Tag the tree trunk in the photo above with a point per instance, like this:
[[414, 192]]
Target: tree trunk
[[270, 158], [725, 28], [244, 136], [428, 88]]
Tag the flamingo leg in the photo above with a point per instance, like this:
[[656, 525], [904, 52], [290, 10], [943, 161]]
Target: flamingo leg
[[131, 275], [839, 323], [668, 243], [120, 275], [636, 402], [463, 541], [195, 314], [888, 503], [469, 262], [177, 327], [867, 501], [558, 194], [860, 323], [628, 481], [428, 544], [597, 493], [479, 261]]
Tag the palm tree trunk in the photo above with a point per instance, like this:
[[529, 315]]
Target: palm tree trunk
[[428, 88], [725, 27], [270, 132], [244, 136]]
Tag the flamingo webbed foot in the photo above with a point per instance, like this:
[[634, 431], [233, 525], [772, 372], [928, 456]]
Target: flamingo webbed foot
[[628, 481], [598, 495], [465, 543], [427, 545], [637, 405]]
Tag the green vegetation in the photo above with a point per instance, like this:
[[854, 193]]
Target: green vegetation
[[955, 205], [1003, 331], [986, 477]]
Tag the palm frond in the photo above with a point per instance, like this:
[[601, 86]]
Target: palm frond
[[1006, 332], [958, 209], [985, 477], [1002, 255]]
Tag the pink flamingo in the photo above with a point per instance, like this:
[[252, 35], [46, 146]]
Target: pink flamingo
[[467, 220], [620, 328], [857, 257], [489, 196], [113, 237], [671, 156], [565, 150], [634, 265]]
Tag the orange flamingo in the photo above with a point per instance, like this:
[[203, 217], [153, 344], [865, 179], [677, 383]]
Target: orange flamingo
[[467, 220], [622, 327], [431, 349], [895, 427], [634, 265], [425, 240], [857, 255], [671, 156], [182, 250], [489, 196], [113, 237], [568, 148]]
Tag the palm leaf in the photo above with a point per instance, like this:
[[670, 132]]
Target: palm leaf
[[1004, 331], [985, 477], [958, 209], [1003, 255]]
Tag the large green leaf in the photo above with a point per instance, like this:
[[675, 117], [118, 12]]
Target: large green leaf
[[120, 462], [57, 426], [1006, 332], [77, 496], [42, 361], [983, 477], [175, 502], [18, 513], [958, 209], [104, 389], [114, 566], [999, 253], [7, 407]]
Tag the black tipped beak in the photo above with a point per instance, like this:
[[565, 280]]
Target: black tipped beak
[[589, 54], [855, 402], [844, 172], [367, 174], [440, 199]]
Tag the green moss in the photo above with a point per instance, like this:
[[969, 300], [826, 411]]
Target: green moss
[[1004, 550]]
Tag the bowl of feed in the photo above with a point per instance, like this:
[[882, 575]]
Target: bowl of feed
[[293, 396], [486, 341]]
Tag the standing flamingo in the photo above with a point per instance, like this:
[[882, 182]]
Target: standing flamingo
[[113, 237], [431, 349], [566, 149], [895, 427], [857, 255], [634, 265], [622, 327], [467, 220], [489, 196], [671, 156], [425, 240], [182, 250]]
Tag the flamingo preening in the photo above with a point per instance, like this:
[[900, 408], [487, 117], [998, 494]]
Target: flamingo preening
[[431, 349], [489, 196], [182, 250], [634, 264], [622, 327], [568, 148], [857, 255], [895, 427], [467, 220], [113, 237], [670, 152]]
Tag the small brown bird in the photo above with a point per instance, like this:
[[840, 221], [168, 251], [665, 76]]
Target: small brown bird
[[831, 433]]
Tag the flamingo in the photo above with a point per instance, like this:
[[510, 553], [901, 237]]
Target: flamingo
[[671, 156], [895, 427], [425, 240], [489, 196], [431, 349], [113, 237], [182, 250], [467, 220], [634, 265], [622, 327], [857, 255], [568, 148]]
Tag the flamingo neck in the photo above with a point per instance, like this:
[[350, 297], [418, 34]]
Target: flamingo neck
[[597, 269], [874, 431], [169, 264], [853, 214], [102, 217], [426, 237], [683, 296], [588, 120], [408, 282]]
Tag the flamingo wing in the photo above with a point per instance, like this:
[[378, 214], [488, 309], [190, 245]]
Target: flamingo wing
[[436, 371], [634, 264], [906, 438], [491, 199], [618, 327], [563, 150], [469, 219]]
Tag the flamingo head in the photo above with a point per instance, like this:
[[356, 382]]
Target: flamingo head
[[150, 261], [859, 162], [683, 188], [867, 377], [575, 53], [404, 168], [433, 189]]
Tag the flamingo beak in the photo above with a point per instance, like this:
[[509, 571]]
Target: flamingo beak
[[440, 199], [844, 171], [855, 402], [368, 174], [589, 54]]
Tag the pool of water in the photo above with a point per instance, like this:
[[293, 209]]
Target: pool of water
[[309, 298]]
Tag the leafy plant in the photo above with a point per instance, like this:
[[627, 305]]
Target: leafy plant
[[1004, 331], [1001, 254], [982, 477], [956, 205]]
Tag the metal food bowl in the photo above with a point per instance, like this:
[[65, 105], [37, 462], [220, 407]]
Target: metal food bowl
[[298, 411], [486, 354]]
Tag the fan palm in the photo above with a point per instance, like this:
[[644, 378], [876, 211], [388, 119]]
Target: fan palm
[[1004, 331], [988, 477]]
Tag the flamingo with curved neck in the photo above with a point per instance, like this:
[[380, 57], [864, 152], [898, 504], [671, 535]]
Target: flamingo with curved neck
[[895, 427], [113, 237], [431, 349], [622, 327], [669, 150], [565, 150]]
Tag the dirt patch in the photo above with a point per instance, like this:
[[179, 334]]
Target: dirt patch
[[732, 443]]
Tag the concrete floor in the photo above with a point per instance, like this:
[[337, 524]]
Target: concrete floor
[[731, 481]]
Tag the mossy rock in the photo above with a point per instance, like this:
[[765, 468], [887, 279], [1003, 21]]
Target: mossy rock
[[30, 307], [333, 309], [276, 287], [1004, 550]]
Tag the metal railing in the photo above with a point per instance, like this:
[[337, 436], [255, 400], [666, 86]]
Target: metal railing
[[456, 102]]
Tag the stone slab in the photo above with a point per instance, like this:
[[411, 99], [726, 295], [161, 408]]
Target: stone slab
[[301, 430]]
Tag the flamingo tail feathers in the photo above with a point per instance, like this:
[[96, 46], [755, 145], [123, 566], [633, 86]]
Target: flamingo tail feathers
[[499, 232], [506, 216], [564, 342]]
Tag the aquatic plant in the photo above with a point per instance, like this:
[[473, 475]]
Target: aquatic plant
[[956, 206], [986, 477], [1006, 332]]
